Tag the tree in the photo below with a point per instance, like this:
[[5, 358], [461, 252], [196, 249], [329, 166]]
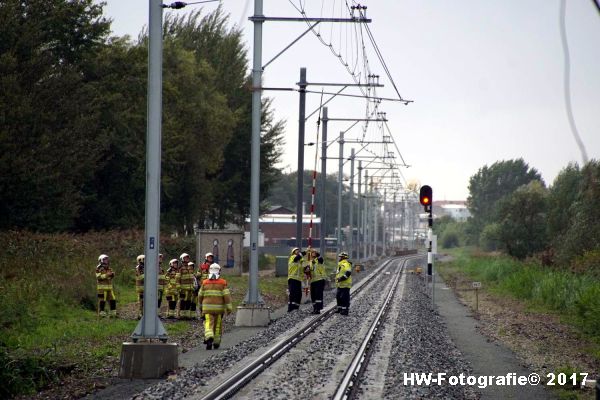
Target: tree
[[563, 194], [582, 233], [522, 220], [490, 184], [47, 149]]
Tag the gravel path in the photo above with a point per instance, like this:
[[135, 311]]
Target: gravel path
[[422, 344]]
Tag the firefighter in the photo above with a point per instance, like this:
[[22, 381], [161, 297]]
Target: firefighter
[[139, 284], [343, 282], [317, 283], [104, 287], [214, 300], [172, 288], [295, 276], [203, 269], [186, 286], [194, 296], [162, 281]]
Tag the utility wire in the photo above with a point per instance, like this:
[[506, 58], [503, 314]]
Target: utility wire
[[567, 81]]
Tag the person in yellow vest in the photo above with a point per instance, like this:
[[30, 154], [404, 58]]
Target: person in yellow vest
[[104, 287], [343, 282], [172, 288], [194, 296], [295, 276], [162, 281], [139, 284], [215, 301], [186, 286], [317, 283]]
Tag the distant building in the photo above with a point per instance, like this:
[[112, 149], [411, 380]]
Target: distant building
[[457, 209], [278, 225]]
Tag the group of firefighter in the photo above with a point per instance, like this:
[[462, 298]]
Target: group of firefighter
[[182, 286], [312, 269]]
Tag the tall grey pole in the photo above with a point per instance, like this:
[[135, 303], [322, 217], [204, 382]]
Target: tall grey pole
[[366, 219], [325, 119], [394, 223], [339, 204], [383, 225], [351, 209], [150, 326], [376, 211], [253, 296], [301, 127], [359, 217]]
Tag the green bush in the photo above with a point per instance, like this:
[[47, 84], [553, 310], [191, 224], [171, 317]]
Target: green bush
[[450, 239], [490, 237]]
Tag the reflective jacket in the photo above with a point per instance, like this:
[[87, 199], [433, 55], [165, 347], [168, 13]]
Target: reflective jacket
[[139, 278], [203, 271], [343, 276], [172, 279], [295, 269], [104, 277], [214, 296], [162, 278], [186, 278], [318, 270]]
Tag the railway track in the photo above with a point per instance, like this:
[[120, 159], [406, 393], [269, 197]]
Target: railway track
[[314, 337]]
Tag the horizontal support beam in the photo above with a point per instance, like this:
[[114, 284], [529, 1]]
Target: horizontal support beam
[[262, 18]]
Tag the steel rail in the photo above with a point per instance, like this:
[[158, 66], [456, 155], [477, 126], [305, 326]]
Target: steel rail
[[349, 384], [237, 381]]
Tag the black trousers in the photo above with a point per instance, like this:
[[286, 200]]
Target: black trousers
[[295, 289], [316, 294], [342, 297]]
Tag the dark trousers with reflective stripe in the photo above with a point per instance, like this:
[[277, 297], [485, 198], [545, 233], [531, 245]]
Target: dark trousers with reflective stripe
[[316, 294], [343, 300], [295, 289]]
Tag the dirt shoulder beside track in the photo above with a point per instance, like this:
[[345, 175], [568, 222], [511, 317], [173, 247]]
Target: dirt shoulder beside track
[[533, 341]]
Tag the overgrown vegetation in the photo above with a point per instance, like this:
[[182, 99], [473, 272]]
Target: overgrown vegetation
[[49, 325], [575, 297], [73, 121]]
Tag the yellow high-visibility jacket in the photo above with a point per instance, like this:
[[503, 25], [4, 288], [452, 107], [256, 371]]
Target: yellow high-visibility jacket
[[139, 278], [318, 270], [343, 276], [104, 277], [214, 297], [172, 279], [295, 269]]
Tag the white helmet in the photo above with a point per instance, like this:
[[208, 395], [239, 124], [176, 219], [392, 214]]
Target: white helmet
[[173, 262], [183, 255], [209, 255], [214, 271], [141, 258], [102, 257]]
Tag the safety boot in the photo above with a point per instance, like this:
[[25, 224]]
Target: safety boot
[[209, 343]]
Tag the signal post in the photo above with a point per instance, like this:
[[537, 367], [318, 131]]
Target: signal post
[[426, 199]]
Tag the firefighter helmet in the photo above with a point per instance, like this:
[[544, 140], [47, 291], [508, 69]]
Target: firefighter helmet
[[214, 271], [141, 258], [183, 255], [343, 254], [102, 257], [294, 250], [173, 262], [208, 255]]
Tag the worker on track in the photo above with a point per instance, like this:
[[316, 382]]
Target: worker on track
[[139, 284], [295, 276], [104, 287], [317, 284], [186, 286], [172, 288], [214, 300], [343, 282]]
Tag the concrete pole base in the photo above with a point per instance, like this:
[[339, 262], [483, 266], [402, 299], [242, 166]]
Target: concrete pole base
[[147, 360], [252, 315]]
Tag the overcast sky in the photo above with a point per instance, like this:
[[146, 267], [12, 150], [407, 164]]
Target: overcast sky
[[486, 78]]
